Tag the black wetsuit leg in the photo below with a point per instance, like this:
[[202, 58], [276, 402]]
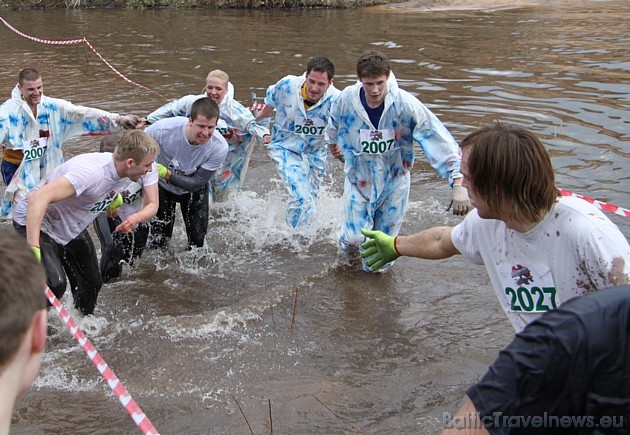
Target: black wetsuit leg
[[164, 221], [81, 266], [52, 254], [195, 213]]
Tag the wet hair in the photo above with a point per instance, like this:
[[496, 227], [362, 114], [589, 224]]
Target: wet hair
[[21, 292], [204, 107], [373, 64], [509, 167], [135, 144], [109, 142], [321, 64], [28, 74], [220, 74]]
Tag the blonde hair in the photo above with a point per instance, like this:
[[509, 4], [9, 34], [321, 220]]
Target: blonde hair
[[135, 144], [220, 74]]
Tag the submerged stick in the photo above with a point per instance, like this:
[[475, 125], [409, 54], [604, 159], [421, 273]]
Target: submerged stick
[[243, 414], [339, 417], [294, 307], [270, 419]]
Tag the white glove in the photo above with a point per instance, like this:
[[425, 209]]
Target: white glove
[[460, 202], [128, 122]]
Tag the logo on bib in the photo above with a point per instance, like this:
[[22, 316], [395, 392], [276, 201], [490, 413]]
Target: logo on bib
[[521, 275], [376, 135]]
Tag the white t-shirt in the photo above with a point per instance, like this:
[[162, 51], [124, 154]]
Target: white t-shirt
[[96, 183], [133, 197], [180, 156], [575, 249]]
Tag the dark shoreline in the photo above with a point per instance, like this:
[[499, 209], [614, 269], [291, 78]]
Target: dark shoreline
[[187, 4]]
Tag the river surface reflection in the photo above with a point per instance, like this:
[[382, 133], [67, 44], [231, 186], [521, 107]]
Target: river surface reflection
[[188, 333]]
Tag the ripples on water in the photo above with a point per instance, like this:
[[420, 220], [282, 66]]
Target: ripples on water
[[186, 331]]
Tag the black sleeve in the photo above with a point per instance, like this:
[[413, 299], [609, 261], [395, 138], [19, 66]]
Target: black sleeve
[[191, 183]]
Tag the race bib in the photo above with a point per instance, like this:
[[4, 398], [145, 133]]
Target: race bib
[[528, 288], [377, 141], [309, 126], [223, 128], [35, 148], [101, 206], [132, 194]]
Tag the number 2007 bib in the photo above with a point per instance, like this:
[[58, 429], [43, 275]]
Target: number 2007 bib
[[35, 148], [376, 141], [309, 126]]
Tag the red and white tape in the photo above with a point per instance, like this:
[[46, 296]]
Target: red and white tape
[[141, 420], [603, 205], [256, 106], [79, 41]]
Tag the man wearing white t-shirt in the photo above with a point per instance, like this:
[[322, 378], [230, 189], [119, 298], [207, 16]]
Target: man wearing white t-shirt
[[140, 203], [540, 250], [191, 151], [55, 215]]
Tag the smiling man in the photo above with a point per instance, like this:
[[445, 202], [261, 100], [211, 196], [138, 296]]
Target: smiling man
[[236, 124], [56, 213], [33, 128], [191, 151], [374, 125], [297, 147]]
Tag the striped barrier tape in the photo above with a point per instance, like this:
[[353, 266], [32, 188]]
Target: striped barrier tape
[[138, 416], [603, 205], [256, 106], [79, 41]]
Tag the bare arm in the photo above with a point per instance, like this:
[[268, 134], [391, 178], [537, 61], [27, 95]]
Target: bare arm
[[467, 413], [149, 210], [431, 244], [265, 112], [38, 202]]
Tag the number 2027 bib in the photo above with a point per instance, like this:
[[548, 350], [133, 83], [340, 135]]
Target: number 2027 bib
[[528, 287]]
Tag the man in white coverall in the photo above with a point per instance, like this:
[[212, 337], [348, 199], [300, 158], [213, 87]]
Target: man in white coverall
[[33, 128], [297, 147], [374, 125], [236, 124]]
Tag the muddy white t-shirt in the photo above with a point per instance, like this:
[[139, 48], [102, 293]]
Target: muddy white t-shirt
[[575, 249], [96, 183], [182, 157]]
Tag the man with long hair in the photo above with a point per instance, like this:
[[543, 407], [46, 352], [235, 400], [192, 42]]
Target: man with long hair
[[540, 249]]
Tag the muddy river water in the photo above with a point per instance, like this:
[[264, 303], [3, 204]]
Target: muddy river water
[[191, 333]]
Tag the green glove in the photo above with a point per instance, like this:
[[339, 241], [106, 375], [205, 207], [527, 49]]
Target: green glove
[[117, 202], [37, 252], [379, 250], [161, 170]]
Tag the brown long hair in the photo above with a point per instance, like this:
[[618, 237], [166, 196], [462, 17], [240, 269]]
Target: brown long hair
[[511, 170]]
